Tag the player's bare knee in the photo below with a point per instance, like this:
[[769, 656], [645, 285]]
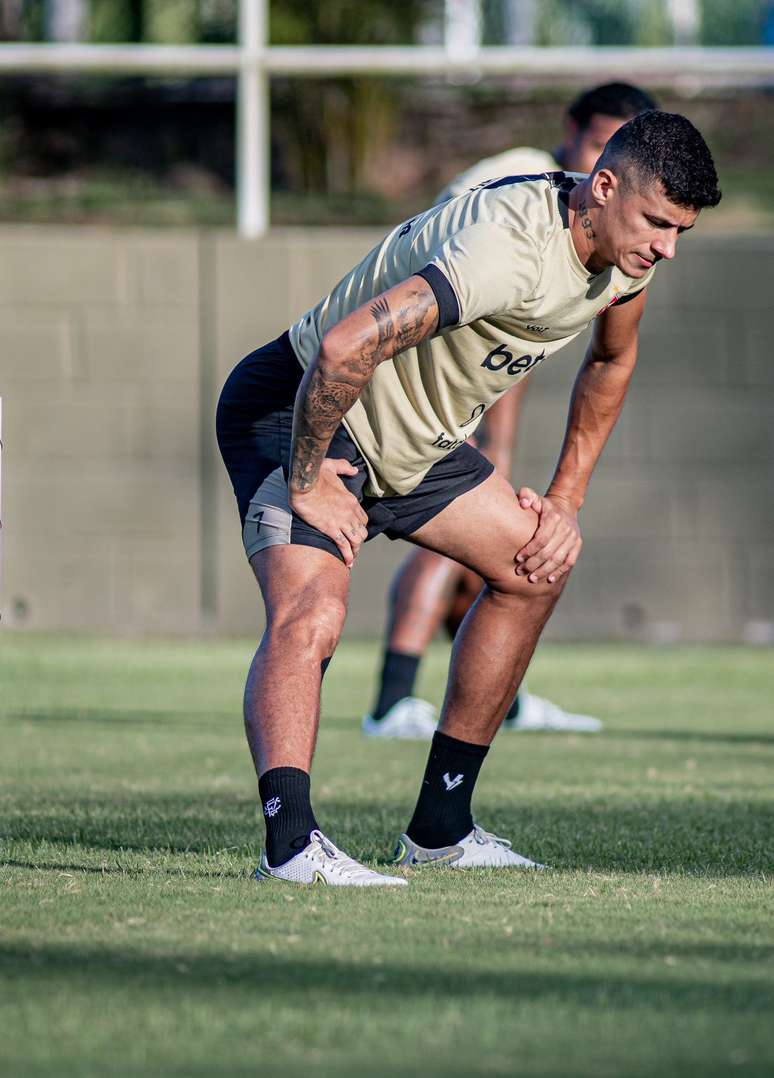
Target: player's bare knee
[[309, 628], [509, 585]]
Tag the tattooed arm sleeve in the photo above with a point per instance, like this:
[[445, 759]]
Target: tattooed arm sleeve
[[350, 353]]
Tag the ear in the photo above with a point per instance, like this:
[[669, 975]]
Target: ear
[[604, 186]]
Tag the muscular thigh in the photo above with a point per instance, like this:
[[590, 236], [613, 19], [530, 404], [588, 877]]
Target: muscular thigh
[[482, 529]]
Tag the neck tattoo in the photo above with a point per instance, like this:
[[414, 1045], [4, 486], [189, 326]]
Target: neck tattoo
[[585, 220]]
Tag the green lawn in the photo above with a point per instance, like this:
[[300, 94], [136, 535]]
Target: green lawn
[[134, 942]]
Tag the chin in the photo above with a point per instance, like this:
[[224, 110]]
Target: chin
[[632, 267]]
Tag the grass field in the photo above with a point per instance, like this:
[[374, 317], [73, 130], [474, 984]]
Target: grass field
[[134, 942]]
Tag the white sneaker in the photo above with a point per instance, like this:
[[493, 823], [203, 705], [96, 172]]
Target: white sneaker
[[479, 849], [411, 719], [322, 862], [535, 713]]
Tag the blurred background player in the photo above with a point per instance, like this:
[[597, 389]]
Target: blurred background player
[[429, 590]]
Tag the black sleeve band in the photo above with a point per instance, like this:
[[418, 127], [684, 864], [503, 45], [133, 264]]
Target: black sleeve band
[[627, 297], [448, 308]]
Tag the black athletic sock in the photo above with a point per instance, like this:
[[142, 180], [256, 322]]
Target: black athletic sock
[[288, 812], [513, 711], [399, 673], [442, 816]]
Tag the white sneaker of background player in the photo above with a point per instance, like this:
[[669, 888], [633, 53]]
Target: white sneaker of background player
[[411, 719], [479, 849], [322, 862], [535, 713]]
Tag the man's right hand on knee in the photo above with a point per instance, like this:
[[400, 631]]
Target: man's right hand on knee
[[330, 508]]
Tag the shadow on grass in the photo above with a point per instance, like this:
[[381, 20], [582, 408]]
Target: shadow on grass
[[703, 836], [120, 716], [310, 981], [350, 724], [178, 871], [666, 734]]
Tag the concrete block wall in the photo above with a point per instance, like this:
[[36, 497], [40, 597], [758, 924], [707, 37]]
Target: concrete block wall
[[119, 517], [99, 373]]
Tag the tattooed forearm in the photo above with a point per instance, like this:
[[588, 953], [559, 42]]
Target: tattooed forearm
[[317, 415], [585, 221], [350, 354]]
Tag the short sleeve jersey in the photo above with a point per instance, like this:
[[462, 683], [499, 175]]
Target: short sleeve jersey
[[520, 161], [511, 291]]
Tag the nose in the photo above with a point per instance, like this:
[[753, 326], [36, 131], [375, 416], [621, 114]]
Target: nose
[[664, 246]]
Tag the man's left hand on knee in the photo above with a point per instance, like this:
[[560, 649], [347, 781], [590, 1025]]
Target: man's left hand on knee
[[556, 545]]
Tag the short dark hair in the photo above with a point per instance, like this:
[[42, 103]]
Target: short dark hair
[[667, 147], [619, 99]]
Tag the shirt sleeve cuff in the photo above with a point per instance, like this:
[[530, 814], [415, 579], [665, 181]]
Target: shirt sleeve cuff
[[627, 297], [448, 307]]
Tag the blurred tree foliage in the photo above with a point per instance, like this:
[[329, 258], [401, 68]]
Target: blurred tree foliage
[[164, 22], [382, 22], [326, 129], [733, 22], [646, 22]]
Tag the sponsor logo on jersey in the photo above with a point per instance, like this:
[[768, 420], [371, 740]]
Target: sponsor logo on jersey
[[443, 441], [477, 412], [501, 359]]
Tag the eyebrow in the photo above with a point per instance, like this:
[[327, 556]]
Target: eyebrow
[[654, 217]]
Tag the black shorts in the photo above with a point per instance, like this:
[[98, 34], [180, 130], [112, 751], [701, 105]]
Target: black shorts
[[254, 423]]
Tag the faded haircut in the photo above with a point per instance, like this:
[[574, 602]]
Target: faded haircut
[[667, 147]]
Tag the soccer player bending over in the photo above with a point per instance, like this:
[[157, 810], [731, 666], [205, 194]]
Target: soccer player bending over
[[355, 422]]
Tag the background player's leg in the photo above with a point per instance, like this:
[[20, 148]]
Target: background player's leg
[[468, 588], [419, 597]]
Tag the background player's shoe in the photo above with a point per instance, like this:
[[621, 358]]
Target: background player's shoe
[[322, 862], [411, 719], [535, 713], [479, 849]]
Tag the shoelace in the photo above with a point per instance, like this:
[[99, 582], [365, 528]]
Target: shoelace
[[342, 864], [483, 838]]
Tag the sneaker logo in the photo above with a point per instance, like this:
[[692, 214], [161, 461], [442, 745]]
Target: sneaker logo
[[272, 806], [451, 783], [435, 857]]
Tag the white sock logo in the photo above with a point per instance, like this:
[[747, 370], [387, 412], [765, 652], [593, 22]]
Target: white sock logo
[[451, 783], [272, 806]]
